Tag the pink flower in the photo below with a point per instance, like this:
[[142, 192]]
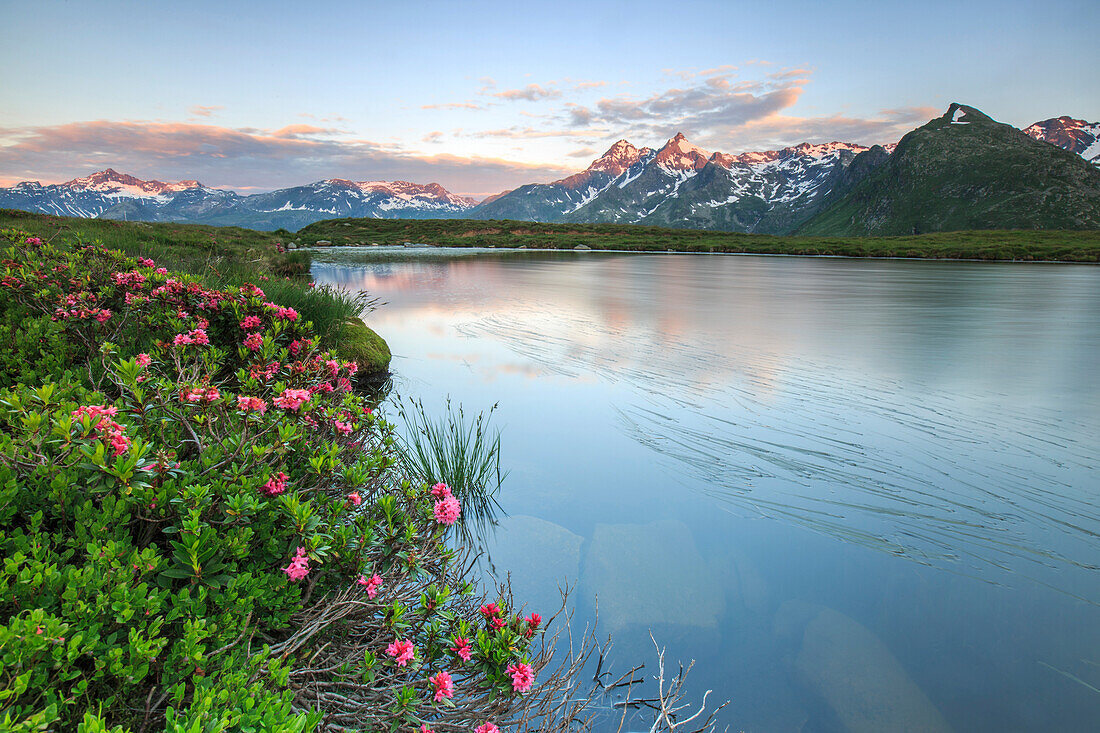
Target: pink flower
[[355, 499], [342, 427], [497, 623], [194, 336], [533, 622], [444, 685], [371, 584], [462, 648], [250, 322], [104, 427], [447, 510], [143, 360], [146, 262], [295, 347], [292, 399], [298, 567], [489, 610], [441, 490], [162, 271], [33, 240], [401, 650], [254, 341], [423, 726], [103, 315], [487, 728], [287, 314], [275, 484], [251, 404], [522, 677]]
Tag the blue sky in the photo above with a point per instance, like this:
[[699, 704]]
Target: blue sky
[[484, 96]]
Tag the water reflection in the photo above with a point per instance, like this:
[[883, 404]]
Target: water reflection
[[935, 425]]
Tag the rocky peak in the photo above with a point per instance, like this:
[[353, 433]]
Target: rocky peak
[[111, 180], [618, 158], [1077, 136], [961, 114], [680, 155]]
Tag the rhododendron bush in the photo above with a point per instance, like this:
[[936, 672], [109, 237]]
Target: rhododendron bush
[[202, 527]]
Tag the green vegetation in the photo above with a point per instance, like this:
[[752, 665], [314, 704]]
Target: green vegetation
[[363, 346], [973, 173], [227, 257], [203, 529], [1066, 246], [462, 453]]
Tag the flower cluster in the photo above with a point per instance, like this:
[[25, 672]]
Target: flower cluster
[[251, 404], [195, 336], [275, 485], [522, 676], [105, 429], [371, 584], [200, 394], [402, 651], [446, 509], [461, 647], [292, 399], [444, 686], [299, 566]]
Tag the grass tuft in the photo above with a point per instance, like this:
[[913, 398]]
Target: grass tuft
[[462, 452]]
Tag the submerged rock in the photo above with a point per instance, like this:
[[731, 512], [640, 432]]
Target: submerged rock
[[540, 555], [650, 575], [857, 677]]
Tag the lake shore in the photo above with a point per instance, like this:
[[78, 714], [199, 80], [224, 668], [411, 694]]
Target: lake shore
[[994, 245]]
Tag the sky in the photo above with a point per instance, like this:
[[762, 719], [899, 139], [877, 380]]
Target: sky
[[485, 96]]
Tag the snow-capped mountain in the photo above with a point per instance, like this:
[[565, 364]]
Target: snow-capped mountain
[[683, 185], [112, 195], [1076, 136], [678, 185]]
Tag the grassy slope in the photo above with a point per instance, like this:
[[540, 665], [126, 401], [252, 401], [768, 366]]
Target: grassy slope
[[979, 175], [224, 256], [1069, 246]]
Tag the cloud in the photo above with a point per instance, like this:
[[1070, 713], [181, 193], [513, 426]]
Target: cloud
[[779, 130], [243, 157], [584, 153], [205, 111], [722, 112], [530, 93], [531, 133], [452, 105], [432, 137]]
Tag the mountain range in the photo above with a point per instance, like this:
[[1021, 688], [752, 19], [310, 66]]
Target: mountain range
[[961, 170]]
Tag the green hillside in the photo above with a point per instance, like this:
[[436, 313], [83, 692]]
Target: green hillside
[[966, 171]]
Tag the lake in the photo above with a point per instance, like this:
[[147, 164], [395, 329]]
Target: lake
[[862, 494]]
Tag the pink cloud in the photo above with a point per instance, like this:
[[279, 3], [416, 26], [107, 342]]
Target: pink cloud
[[530, 93], [205, 111], [243, 158]]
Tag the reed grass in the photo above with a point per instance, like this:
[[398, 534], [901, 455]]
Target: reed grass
[[460, 450]]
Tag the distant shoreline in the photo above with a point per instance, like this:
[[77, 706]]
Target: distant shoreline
[[489, 250], [1050, 246]]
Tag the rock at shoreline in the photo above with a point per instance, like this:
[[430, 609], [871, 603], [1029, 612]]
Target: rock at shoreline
[[582, 248], [540, 555], [860, 680], [650, 575]]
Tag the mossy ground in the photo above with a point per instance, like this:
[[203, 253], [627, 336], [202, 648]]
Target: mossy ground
[[359, 343]]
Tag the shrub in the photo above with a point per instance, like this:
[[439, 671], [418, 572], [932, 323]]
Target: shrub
[[203, 528]]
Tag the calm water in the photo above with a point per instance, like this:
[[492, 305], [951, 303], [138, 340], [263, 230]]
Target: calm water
[[863, 495]]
